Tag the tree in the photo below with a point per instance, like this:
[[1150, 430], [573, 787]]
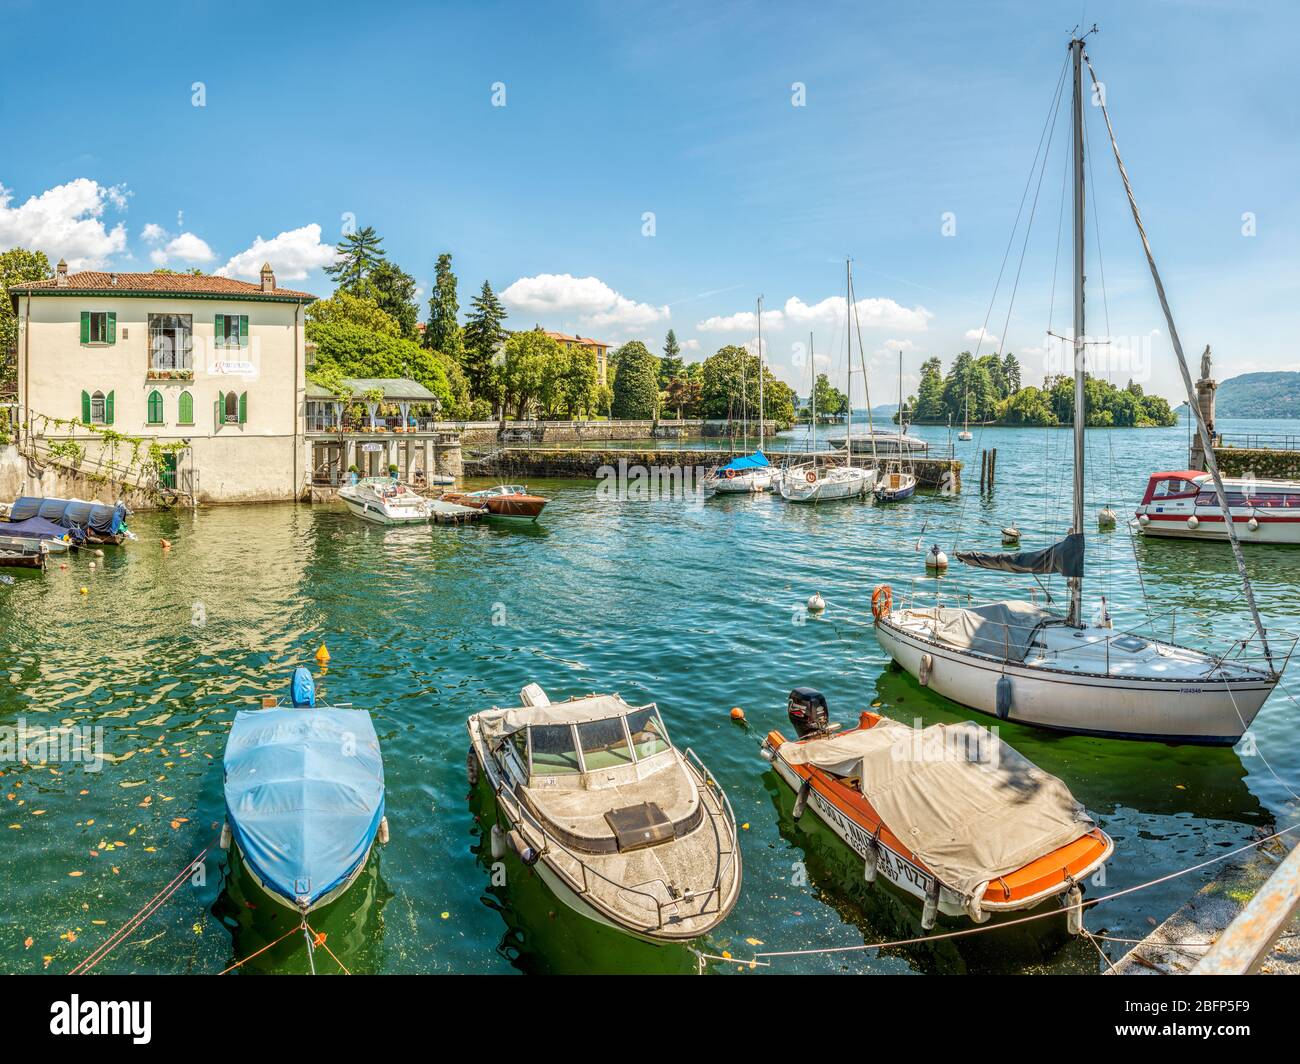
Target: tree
[[524, 369], [393, 289], [483, 336], [636, 383], [343, 308], [569, 381], [671, 365], [831, 402], [17, 266], [359, 252], [442, 332], [929, 405], [1011, 373]]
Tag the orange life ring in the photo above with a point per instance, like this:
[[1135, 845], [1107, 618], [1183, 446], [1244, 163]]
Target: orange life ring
[[731, 473], [811, 477], [881, 601]]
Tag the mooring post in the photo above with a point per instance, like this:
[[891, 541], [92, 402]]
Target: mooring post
[[984, 462]]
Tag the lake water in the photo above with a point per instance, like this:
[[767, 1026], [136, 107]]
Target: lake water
[[695, 605]]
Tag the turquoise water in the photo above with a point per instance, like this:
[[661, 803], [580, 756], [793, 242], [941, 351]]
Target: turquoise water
[[696, 606]]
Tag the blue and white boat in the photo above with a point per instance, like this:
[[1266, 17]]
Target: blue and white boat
[[895, 486], [742, 475], [92, 522], [304, 788]]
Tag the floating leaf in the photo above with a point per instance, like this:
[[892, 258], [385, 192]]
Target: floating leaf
[[27, 942], [132, 783], [76, 875]]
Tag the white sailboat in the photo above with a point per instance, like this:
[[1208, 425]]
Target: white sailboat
[[965, 433], [897, 483], [1023, 663], [752, 473]]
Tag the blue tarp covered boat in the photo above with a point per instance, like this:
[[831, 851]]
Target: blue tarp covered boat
[[757, 460], [101, 522], [304, 789]]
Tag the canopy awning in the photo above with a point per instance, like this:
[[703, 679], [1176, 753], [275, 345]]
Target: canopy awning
[[498, 723]]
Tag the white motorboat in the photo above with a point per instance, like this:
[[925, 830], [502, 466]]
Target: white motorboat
[[884, 444], [623, 828], [385, 501], [1023, 663], [1182, 504]]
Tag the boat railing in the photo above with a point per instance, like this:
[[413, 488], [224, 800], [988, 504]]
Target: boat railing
[[726, 855]]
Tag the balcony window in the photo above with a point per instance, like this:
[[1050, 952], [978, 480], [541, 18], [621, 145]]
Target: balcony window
[[171, 340]]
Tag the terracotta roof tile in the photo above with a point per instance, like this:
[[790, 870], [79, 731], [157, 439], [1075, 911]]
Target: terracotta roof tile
[[159, 283]]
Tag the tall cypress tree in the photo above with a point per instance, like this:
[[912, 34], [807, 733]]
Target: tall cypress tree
[[443, 332], [671, 365], [484, 334]]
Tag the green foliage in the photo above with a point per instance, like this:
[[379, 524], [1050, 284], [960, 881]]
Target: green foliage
[[483, 335], [525, 368], [1028, 406], [671, 366], [636, 382], [393, 289], [442, 332], [347, 350], [17, 266], [831, 402], [343, 308], [1275, 394], [359, 253]]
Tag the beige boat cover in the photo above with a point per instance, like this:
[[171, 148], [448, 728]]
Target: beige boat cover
[[498, 723], [967, 804], [998, 629]]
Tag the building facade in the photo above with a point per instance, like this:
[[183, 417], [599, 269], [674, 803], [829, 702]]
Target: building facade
[[212, 362], [596, 347]]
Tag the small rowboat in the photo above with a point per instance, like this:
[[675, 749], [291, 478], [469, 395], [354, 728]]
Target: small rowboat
[[23, 552], [949, 814], [304, 788]]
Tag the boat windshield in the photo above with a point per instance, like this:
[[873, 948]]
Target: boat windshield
[[647, 731], [553, 751], [604, 744]]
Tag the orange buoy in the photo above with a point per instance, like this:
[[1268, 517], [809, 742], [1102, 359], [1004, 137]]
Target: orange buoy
[[737, 713], [322, 655], [165, 544]]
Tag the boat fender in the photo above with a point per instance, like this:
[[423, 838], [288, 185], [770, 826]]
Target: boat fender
[[1004, 697], [1193, 521], [225, 835], [801, 799], [927, 666], [1144, 520], [523, 851], [930, 911], [498, 842], [974, 906], [768, 754], [872, 865], [1253, 525], [382, 834], [1074, 910], [471, 766]]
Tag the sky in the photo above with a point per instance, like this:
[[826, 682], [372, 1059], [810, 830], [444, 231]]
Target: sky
[[618, 169]]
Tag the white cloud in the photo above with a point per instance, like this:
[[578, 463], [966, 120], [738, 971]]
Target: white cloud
[[691, 345], [871, 313], [291, 254], [981, 335], [186, 247], [740, 322], [66, 222], [588, 297], [153, 233]]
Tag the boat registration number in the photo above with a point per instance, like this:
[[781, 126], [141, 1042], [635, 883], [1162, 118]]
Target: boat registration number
[[893, 867]]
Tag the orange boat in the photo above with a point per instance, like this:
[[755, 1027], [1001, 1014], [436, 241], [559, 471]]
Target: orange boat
[[987, 831], [506, 500]]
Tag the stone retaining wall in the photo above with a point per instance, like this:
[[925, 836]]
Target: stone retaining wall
[[1265, 465]]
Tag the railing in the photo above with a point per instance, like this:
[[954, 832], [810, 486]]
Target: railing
[[1258, 441], [352, 426]]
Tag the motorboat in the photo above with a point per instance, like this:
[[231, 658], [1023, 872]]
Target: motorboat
[[1182, 504], [883, 444], [744, 474], [1022, 662], [949, 814], [895, 486], [23, 552], [385, 501], [827, 485], [26, 543], [304, 791], [505, 500], [622, 826]]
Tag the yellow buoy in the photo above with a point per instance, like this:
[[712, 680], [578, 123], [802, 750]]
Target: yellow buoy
[[84, 590], [322, 655]]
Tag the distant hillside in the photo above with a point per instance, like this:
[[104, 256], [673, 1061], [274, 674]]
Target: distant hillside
[[1259, 395]]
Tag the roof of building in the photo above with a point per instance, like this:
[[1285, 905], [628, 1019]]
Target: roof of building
[[395, 389], [586, 341], [186, 285]]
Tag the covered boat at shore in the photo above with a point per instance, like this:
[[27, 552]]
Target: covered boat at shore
[[949, 814], [744, 474], [624, 828], [89, 522]]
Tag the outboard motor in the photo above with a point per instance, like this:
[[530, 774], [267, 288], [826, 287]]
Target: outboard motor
[[808, 712]]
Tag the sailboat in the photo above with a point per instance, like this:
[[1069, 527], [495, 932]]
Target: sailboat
[[840, 482], [749, 473], [1021, 662], [897, 484], [965, 433]]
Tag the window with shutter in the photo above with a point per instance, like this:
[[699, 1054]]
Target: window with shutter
[[155, 408], [185, 409], [232, 406], [97, 409], [243, 407], [108, 408], [85, 407], [98, 327]]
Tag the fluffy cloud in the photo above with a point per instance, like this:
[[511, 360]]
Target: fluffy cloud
[[590, 298], [186, 247], [871, 313], [291, 254], [744, 321], [981, 335], [66, 222]]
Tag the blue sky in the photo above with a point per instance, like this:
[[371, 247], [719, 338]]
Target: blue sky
[[912, 113]]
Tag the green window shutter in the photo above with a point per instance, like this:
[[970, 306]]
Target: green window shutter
[[221, 408], [85, 332], [85, 397], [108, 408], [185, 409], [243, 330], [155, 408], [219, 331], [112, 326], [243, 407]]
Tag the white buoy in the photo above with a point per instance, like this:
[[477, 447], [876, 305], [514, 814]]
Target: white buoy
[[1144, 520], [1106, 519], [936, 559], [1010, 536], [816, 603], [1253, 525], [92, 565]]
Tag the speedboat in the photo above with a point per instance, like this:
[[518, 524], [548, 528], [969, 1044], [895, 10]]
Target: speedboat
[[304, 789], [505, 500], [742, 475], [624, 828], [949, 814], [895, 486], [385, 501], [826, 485], [1183, 504]]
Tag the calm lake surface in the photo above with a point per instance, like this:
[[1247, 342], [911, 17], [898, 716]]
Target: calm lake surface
[[694, 605]]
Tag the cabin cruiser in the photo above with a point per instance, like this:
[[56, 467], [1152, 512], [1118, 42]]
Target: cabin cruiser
[[304, 791], [1184, 505], [742, 475], [624, 828], [505, 500], [385, 501], [884, 444], [949, 814]]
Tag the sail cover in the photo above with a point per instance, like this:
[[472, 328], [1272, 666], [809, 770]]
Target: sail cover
[[1065, 557], [304, 796], [999, 629], [757, 460], [968, 805]]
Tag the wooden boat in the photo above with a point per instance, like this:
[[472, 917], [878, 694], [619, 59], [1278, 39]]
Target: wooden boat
[[505, 500], [304, 790], [624, 828], [895, 486], [23, 552], [83, 521], [949, 814]]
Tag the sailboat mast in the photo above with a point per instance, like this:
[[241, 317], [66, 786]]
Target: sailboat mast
[[1080, 415], [761, 408], [812, 398], [848, 338]]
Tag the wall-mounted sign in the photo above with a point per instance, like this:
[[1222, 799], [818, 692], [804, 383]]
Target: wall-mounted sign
[[239, 369], [371, 448]]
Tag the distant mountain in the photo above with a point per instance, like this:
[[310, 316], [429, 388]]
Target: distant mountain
[[1262, 395]]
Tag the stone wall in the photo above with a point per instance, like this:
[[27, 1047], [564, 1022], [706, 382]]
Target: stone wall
[[18, 478], [1263, 464], [484, 435]]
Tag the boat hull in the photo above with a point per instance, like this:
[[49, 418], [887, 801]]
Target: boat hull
[[1276, 530], [325, 899], [369, 510], [1200, 712], [827, 489], [741, 484]]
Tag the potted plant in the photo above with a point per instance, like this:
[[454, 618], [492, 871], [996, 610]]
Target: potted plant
[[353, 471]]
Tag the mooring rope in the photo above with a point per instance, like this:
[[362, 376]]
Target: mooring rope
[[240, 964]]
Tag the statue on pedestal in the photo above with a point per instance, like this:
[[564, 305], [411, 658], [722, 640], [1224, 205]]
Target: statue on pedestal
[[1205, 364]]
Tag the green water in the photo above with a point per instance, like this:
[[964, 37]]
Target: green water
[[694, 605]]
